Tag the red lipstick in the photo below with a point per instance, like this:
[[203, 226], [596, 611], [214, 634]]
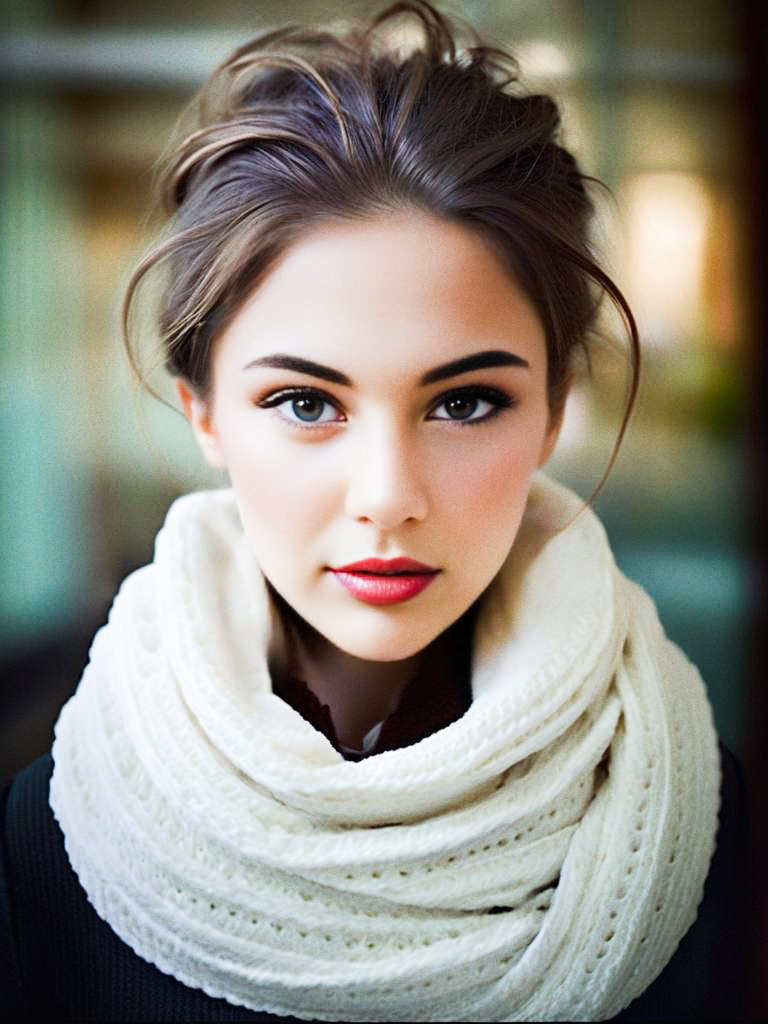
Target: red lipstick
[[385, 581]]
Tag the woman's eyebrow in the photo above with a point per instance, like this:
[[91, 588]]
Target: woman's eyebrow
[[312, 369], [477, 361]]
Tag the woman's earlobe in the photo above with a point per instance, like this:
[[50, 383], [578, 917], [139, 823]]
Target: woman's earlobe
[[198, 413]]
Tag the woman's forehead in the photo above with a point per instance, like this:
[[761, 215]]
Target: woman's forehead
[[412, 288]]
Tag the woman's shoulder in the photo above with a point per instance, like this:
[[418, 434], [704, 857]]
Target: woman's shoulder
[[31, 846], [25, 802], [23, 807], [60, 959], [705, 979]]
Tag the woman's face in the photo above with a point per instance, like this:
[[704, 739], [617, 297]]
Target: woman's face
[[381, 395]]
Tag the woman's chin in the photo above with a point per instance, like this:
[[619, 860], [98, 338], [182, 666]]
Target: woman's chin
[[382, 649]]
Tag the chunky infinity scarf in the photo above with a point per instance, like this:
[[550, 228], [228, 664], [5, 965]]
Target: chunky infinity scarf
[[539, 859]]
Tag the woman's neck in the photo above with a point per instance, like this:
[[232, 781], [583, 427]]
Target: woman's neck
[[358, 693]]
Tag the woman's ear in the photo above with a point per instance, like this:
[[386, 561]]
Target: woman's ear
[[556, 414], [199, 415]]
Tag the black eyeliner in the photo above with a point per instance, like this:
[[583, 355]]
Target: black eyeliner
[[498, 399], [284, 394]]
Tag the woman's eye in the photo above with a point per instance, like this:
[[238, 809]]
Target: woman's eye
[[302, 407], [310, 409], [470, 407]]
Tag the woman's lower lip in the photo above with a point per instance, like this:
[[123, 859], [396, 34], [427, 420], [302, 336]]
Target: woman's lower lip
[[380, 589]]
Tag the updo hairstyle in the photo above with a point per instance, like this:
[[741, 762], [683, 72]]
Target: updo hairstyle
[[301, 127]]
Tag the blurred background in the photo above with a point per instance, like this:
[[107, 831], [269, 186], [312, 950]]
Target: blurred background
[[661, 101]]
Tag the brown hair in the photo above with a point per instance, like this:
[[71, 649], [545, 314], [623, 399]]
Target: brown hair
[[304, 126]]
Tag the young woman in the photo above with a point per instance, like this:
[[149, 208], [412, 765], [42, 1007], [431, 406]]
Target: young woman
[[382, 733]]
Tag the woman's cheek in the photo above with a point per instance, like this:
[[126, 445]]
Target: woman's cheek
[[488, 484], [283, 489]]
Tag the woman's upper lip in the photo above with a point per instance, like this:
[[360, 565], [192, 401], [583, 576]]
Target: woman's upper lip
[[386, 565]]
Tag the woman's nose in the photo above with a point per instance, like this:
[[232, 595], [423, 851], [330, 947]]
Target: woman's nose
[[386, 485]]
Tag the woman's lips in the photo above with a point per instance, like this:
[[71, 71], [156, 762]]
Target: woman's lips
[[385, 581]]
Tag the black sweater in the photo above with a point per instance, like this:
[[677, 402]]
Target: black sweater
[[60, 961]]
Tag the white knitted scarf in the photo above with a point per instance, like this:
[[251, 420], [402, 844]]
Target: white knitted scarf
[[538, 859]]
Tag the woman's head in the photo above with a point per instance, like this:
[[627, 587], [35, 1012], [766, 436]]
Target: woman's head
[[383, 216]]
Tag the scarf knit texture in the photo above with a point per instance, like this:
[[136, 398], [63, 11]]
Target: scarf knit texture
[[538, 859]]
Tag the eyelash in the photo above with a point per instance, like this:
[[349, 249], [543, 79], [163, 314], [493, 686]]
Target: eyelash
[[497, 399]]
